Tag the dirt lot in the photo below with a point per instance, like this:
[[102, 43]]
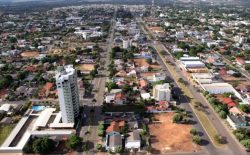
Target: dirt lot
[[30, 54], [170, 137], [86, 67]]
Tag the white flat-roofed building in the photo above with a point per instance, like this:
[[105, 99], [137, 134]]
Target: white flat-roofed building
[[190, 59], [159, 77], [66, 81], [36, 125], [202, 78], [43, 118], [193, 64], [5, 107], [218, 88], [162, 92]]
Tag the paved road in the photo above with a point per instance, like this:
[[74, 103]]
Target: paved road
[[233, 146], [93, 118]]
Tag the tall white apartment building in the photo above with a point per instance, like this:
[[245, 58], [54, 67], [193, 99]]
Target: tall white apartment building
[[162, 92], [66, 81]]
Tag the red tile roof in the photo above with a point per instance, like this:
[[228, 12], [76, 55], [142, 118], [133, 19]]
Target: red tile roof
[[30, 68], [223, 71], [119, 96], [114, 126], [48, 86], [240, 60], [230, 103]]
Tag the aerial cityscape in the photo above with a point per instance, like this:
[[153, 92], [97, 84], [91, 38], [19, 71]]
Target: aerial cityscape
[[97, 77]]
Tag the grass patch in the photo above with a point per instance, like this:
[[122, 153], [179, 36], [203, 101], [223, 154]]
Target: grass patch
[[4, 132]]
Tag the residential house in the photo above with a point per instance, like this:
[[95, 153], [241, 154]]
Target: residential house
[[115, 127], [159, 77], [119, 99], [143, 83], [110, 98], [236, 122], [235, 111], [45, 91], [243, 88], [240, 61], [229, 102], [132, 125], [113, 141], [161, 107], [31, 91], [133, 141], [21, 90]]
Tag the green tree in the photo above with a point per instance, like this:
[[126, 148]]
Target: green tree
[[149, 61], [246, 143], [247, 67], [111, 85], [212, 100], [177, 118], [193, 131], [93, 73], [196, 139], [178, 55], [73, 141], [5, 81], [126, 88], [13, 40], [219, 139], [42, 145], [22, 74], [240, 136], [244, 108], [223, 114], [85, 147], [100, 131], [98, 147], [192, 52], [205, 93]]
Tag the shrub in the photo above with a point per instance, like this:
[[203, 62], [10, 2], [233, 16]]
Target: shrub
[[98, 147], [193, 131], [219, 139], [118, 149]]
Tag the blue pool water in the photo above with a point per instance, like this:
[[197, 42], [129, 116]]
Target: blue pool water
[[37, 108]]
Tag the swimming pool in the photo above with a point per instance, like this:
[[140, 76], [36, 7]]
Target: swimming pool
[[37, 108]]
